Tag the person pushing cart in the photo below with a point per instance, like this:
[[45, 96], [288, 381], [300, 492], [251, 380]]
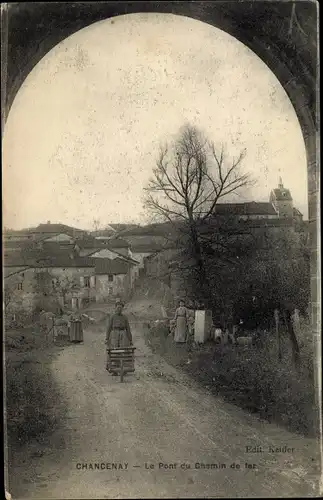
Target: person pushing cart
[[118, 339]]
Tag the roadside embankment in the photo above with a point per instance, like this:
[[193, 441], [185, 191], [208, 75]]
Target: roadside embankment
[[33, 406], [249, 376]]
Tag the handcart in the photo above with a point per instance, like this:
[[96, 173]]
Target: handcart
[[121, 360]]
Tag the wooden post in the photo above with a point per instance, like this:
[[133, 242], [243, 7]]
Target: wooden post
[[279, 347]]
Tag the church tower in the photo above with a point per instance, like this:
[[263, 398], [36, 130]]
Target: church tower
[[282, 200]]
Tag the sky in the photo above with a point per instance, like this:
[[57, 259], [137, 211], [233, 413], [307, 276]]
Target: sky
[[83, 134]]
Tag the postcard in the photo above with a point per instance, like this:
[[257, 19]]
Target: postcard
[[161, 254]]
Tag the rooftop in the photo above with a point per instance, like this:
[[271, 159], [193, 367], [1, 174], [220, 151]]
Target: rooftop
[[56, 246], [94, 248], [296, 212], [117, 243], [91, 243], [49, 228], [246, 208], [111, 266], [40, 258], [240, 226], [147, 245], [19, 244]]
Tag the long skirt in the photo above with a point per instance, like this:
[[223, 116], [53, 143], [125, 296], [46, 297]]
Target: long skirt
[[76, 331], [180, 330], [118, 338]]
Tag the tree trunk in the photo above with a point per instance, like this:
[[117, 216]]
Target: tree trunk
[[203, 288]]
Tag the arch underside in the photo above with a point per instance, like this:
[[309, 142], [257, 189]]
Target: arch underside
[[283, 34]]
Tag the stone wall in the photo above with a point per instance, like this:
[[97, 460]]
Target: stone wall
[[106, 289], [19, 294]]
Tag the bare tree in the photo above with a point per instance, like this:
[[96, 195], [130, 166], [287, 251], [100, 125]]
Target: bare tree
[[189, 180], [63, 286], [53, 289]]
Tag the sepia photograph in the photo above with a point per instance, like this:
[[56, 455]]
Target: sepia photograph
[[161, 257]]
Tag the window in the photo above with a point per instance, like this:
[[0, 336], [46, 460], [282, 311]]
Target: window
[[87, 281], [110, 277], [19, 286]]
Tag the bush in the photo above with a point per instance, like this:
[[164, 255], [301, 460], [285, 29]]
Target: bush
[[17, 319], [250, 377], [31, 392]]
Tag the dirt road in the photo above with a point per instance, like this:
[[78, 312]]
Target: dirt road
[[160, 430]]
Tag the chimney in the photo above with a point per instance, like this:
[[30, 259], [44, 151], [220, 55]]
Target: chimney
[[48, 222]]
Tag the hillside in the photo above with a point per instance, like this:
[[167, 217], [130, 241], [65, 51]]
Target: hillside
[[149, 238], [120, 228], [157, 229], [152, 298]]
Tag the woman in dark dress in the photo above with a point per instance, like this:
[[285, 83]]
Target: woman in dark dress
[[118, 331], [76, 328], [181, 322]]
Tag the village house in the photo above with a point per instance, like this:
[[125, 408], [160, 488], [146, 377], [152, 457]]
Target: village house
[[104, 248], [113, 279], [247, 210], [279, 206], [61, 271], [45, 232], [144, 248], [114, 244], [108, 255], [98, 249], [10, 235], [282, 200], [58, 232], [19, 290], [83, 267], [120, 246], [147, 240], [88, 246], [45, 280]]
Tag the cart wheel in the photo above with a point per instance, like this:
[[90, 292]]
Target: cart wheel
[[121, 371]]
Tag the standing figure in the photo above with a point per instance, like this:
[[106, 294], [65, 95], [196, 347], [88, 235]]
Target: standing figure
[[76, 328], [181, 323], [118, 331], [190, 324]]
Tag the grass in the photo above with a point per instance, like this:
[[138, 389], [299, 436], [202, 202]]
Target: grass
[[251, 377], [32, 397]]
